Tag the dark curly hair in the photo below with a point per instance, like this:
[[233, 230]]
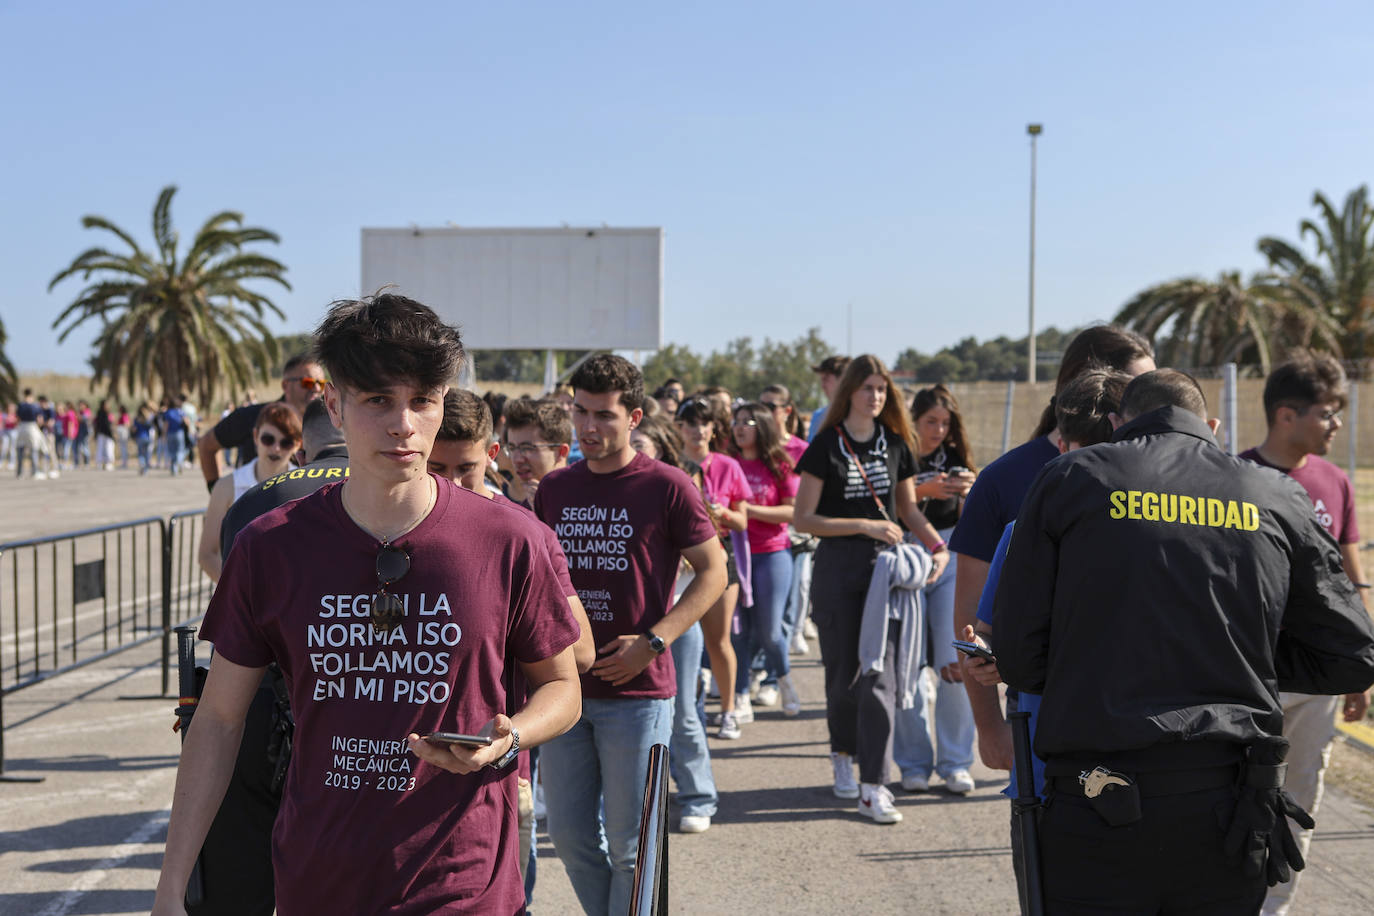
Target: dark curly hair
[[608, 372]]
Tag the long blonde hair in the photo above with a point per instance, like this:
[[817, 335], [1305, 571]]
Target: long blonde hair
[[894, 414]]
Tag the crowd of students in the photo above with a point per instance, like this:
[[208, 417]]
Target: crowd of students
[[635, 555], [55, 437]]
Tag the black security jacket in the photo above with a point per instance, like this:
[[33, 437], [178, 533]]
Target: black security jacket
[[1157, 589], [330, 466]]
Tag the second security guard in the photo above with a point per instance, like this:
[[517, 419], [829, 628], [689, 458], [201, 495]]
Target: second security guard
[[1159, 593]]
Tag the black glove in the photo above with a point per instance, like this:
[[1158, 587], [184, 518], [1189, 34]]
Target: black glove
[[1259, 838]]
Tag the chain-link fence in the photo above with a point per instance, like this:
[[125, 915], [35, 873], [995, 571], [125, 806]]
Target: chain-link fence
[[1002, 415]]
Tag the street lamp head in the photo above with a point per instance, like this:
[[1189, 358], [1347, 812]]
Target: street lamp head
[[1034, 129]]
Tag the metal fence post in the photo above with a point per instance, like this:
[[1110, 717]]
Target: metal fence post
[[1228, 399], [166, 601], [1006, 416], [1352, 423]]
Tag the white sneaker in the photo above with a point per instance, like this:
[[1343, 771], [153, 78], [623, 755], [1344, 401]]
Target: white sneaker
[[756, 682], [876, 802], [729, 727], [845, 786], [768, 695], [809, 629], [744, 709], [916, 782], [799, 645], [791, 702], [960, 782], [694, 823]]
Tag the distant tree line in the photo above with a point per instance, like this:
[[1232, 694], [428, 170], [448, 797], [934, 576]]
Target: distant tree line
[[744, 368], [999, 359]]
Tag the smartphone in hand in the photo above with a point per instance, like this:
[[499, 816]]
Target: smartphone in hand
[[443, 739], [973, 649]]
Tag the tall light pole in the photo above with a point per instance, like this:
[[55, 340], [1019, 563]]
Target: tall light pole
[[1034, 131]]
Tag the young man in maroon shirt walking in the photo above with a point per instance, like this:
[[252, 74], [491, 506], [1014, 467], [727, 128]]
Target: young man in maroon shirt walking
[[624, 520], [395, 603]]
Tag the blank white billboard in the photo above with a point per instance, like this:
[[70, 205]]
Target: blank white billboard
[[563, 289]]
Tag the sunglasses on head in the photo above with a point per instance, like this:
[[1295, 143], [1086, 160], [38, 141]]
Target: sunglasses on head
[[269, 440], [694, 404], [392, 565]]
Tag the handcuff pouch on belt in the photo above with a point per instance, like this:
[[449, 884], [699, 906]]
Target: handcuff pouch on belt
[[1114, 796]]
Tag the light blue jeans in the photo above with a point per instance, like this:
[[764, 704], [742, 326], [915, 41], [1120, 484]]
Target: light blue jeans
[[761, 624], [176, 451], [689, 759], [606, 752], [954, 731]]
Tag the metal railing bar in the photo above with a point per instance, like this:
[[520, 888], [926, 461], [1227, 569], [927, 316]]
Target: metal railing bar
[[85, 532]]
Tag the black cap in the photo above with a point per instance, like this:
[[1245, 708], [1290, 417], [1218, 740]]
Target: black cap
[[832, 365]]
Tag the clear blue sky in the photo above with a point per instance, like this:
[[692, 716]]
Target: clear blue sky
[[799, 156]]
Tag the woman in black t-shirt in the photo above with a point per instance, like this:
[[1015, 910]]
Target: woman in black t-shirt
[[944, 476], [857, 482]]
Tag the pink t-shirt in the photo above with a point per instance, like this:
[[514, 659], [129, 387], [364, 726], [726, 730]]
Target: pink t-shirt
[[794, 447], [69, 424], [623, 534], [365, 827], [1333, 498], [724, 481], [764, 490]]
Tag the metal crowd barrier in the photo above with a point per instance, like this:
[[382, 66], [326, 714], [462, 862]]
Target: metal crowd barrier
[[649, 896], [68, 600]]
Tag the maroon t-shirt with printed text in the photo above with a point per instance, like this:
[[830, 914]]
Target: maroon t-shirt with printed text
[[1333, 498], [556, 555], [364, 826], [623, 534]]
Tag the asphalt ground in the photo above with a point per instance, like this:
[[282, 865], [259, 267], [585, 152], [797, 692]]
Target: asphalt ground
[[88, 838]]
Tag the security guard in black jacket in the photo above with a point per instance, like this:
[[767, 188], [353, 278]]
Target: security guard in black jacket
[[1159, 593]]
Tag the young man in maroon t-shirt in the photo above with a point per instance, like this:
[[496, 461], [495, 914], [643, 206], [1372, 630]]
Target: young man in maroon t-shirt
[[624, 520], [1303, 400], [396, 604]]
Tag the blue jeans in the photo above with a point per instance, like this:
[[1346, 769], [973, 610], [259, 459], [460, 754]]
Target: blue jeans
[[760, 624], [176, 451], [954, 731], [144, 454], [689, 759], [605, 753]]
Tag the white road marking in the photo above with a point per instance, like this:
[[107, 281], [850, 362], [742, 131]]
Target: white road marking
[[88, 881]]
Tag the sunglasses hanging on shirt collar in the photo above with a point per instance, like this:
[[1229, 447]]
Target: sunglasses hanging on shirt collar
[[387, 609]]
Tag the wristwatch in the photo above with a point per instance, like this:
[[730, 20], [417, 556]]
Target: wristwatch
[[504, 760], [656, 642]]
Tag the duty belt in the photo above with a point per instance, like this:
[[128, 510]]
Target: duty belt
[[1152, 784]]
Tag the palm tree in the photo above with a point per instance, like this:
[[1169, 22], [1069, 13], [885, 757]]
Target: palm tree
[[9, 379], [1210, 322], [188, 323], [1339, 281]]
